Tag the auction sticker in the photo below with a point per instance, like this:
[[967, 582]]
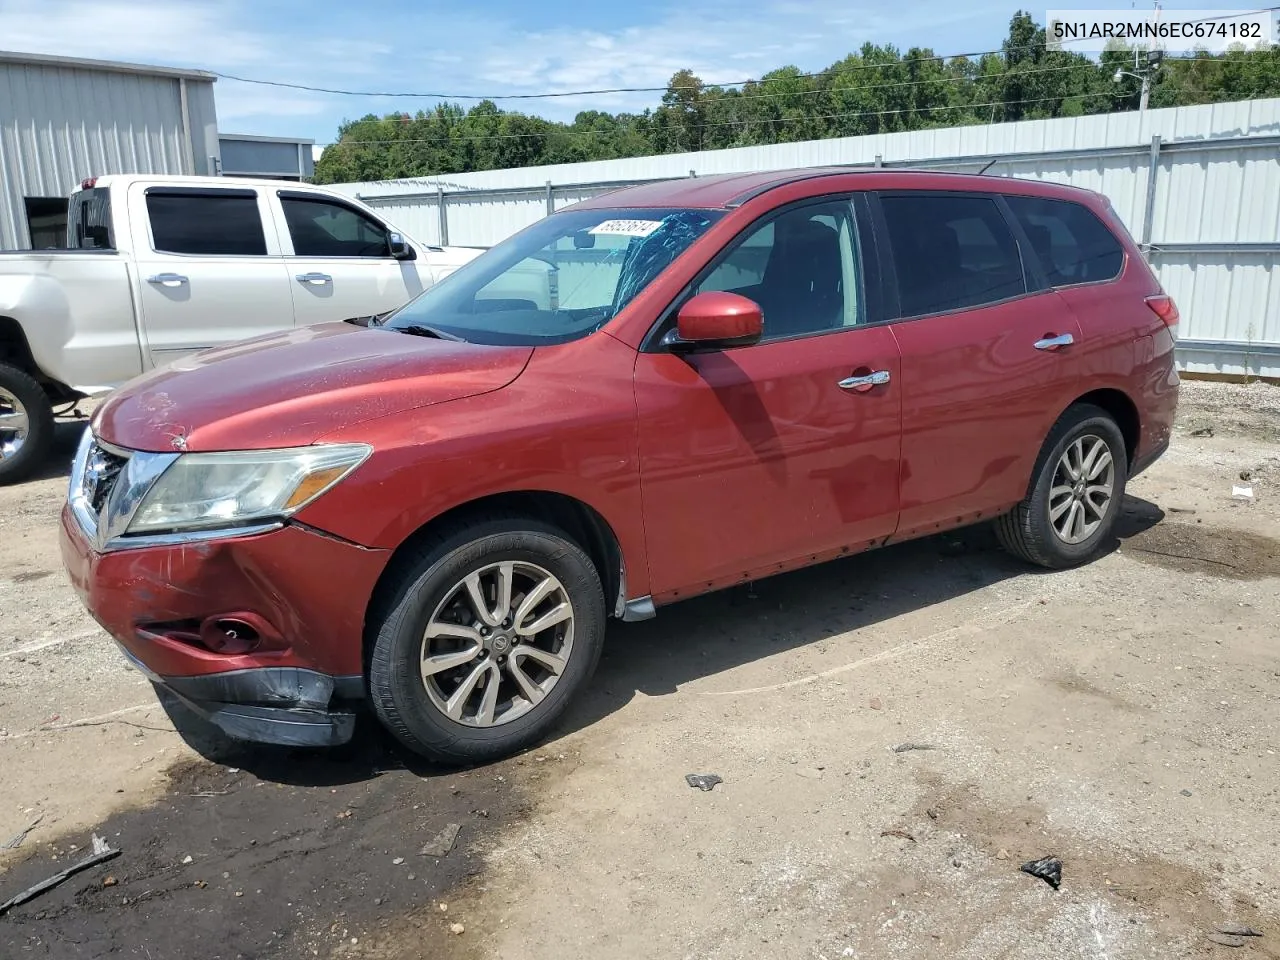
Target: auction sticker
[[626, 228]]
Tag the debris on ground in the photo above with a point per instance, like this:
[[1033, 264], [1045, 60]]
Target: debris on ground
[[443, 842], [110, 881], [1048, 869], [1246, 475], [933, 813], [907, 747], [457, 928], [1226, 940], [101, 854], [1002, 854], [1238, 930], [875, 703], [810, 773], [1185, 793], [14, 842], [898, 833], [703, 781], [1241, 493], [1205, 431]]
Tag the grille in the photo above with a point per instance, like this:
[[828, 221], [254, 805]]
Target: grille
[[102, 470]]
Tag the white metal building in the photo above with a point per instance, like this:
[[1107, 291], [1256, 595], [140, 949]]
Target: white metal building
[[1198, 187], [64, 119]]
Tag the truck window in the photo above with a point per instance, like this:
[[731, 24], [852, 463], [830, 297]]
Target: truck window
[[89, 220], [321, 228], [206, 222]]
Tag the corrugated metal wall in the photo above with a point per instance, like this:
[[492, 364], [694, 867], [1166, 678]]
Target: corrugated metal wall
[[1210, 220], [60, 124]]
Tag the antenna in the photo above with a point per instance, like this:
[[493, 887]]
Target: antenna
[[989, 165]]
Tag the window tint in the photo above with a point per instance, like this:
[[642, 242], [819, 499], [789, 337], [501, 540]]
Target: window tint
[[323, 229], [802, 267], [1070, 242], [951, 252], [89, 220], [208, 224]]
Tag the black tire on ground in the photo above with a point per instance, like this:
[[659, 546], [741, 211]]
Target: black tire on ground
[[203, 736], [422, 581], [1026, 531], [39, 440]]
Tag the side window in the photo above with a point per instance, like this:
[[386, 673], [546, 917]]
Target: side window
[[1070, 242], [802, 267], [216, 223], [320, 228], [951, 252]]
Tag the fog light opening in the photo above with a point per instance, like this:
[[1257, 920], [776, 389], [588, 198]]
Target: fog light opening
[[231, 635]]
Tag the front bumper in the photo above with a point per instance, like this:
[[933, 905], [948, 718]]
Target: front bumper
[[308, 591]]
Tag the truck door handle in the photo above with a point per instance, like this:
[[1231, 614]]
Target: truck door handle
[[317, 279], [864, 383], [168, 279], [1053, 343]]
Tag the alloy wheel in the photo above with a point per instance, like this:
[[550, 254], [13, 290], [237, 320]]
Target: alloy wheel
[[497, 644], [15, 425], [1083, 487]]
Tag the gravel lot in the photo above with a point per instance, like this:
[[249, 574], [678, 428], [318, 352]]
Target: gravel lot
[[1124, 717]]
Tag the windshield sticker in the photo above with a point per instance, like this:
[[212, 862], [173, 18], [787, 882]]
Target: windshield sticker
[[626, 228]]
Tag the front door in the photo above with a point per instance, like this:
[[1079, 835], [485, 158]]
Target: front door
[[208, 271], [772, 454], [341, 264], [985, 358]]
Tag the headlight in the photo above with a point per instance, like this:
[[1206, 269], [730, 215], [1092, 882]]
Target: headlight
[[212, 490]]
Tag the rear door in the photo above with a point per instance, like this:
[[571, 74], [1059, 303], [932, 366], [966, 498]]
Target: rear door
[[210, 269], [340, 262], [986, 356], [770, 455]]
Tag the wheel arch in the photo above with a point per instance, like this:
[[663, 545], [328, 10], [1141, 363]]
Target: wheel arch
[[1121, 408], [580, 522], [14, 349]]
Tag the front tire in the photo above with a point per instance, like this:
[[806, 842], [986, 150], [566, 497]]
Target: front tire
[[482, 637], [26, 424], [1069, 513]]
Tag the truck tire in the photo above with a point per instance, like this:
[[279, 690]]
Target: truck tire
[[26, 425], [1070, 511], [481, 636]]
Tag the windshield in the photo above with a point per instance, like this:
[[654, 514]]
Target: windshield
[[562, 279]]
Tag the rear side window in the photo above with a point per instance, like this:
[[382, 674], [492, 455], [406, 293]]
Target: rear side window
[[320, 228], [89, 220], [214, 223], [951, 252], [1070, 242]]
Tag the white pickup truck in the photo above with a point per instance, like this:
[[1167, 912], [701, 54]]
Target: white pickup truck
[[160, 267]]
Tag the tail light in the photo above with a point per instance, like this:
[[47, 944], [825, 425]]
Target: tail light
[[88, 183], [1163, 307]]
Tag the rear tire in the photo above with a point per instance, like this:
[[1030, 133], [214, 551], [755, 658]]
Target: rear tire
[[1068, 515], [26, 425], [461, 680]]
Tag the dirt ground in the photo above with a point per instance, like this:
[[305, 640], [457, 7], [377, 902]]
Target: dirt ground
[[1123, 717]]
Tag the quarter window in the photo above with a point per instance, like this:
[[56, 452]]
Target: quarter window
[[323, 229], [801, 267], [951, 253], [218, 223], [1070, 242]]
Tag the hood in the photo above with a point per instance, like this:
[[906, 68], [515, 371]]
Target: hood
[[293, 387]]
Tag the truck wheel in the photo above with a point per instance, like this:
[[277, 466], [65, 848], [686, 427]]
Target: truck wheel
[[26, 424], [1075, 497], [481, 638]]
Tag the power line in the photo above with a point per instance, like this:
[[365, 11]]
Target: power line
[[587, 93], [745, 122]]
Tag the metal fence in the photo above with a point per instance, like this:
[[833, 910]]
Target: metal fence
[[1205, 210]]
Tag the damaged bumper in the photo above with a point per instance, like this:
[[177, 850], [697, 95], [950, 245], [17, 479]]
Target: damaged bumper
[[262, 635]]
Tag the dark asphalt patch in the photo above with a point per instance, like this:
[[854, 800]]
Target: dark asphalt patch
[[292, 858]]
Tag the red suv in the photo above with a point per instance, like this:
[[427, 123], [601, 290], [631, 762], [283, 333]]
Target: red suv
[[656, 393]]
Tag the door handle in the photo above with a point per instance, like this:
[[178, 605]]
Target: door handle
[[317, 279], [1053, 343], [877, 379], [168, 279]]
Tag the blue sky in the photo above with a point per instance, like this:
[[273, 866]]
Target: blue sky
[[489, 46]]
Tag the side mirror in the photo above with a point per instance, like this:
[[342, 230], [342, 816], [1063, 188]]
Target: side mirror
[[400, 250], [715, 321]]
